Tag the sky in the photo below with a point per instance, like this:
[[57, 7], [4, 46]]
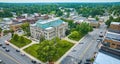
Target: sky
[[27, 1]]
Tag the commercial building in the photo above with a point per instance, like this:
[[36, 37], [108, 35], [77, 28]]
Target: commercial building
[[114, 27], [16, 26], [112, 40], [49, 28], [93, 22], [107, 56]]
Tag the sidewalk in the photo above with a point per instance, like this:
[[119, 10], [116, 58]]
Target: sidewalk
[[22, 51], [33, 42], [76, 43], [72, 41]]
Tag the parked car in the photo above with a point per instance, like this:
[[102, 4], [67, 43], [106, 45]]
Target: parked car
[[6, 42], [0, 44], [101, 34], [33, 61], [1, 61], [80, 62], [88, 60], [17, 50], [22, 54], [3, 47], [7, 50]]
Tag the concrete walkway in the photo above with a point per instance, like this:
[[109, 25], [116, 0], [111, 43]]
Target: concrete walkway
[[33, 42], [72, 41], [22, 51], [76, 43]]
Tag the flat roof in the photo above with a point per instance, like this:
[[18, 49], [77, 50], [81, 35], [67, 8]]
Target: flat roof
[[112, 35], [49, 28], [104, 58], [117, 23], [48, 23]]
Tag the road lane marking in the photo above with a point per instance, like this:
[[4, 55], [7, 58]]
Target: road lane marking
[[86, 49], [9, 57]]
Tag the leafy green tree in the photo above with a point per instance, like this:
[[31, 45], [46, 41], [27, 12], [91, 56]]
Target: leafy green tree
[[84, 28], [96, 18], [15, 37], [42, 38], [67, 32], [21, 39], [26, 28], [74, 34], [0, 30], [45, 51], [108, 22]]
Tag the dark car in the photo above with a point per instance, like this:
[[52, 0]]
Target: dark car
[[80, 62], [0, 44], [7, 50], [33, 61], [87, 63], [88, 60], [17, 50], [3, 47]]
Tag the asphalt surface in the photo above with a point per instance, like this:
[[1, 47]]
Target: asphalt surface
[[85, 49], [12, 57]]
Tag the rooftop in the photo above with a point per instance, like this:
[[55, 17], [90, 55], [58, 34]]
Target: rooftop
[[116, 23], [106, 58], [48, 23], [112, 35]]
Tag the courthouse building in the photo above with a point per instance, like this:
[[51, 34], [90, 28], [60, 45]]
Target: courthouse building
[[49, 28]]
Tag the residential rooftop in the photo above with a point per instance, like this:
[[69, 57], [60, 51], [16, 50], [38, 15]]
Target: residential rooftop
[[113, 36], [48, 23], [116, 23]]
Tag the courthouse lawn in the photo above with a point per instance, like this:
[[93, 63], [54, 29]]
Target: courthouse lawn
[[20, 44], [32, 50]]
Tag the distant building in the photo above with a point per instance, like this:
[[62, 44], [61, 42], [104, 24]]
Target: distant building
[[79, 19], [112, 40], [114, 27], [15, 26], [49, 28], [93, 22]]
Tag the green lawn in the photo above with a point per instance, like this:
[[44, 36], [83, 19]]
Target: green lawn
[[75, 38], [20, 44], [63, 48]]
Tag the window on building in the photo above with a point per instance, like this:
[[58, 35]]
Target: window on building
[[113, 44]]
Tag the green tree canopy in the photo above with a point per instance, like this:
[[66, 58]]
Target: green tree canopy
[[15, 37]]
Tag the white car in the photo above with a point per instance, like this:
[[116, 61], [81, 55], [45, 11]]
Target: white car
[[1, 61]]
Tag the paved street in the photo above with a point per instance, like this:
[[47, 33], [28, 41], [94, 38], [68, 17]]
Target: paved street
[[12, 57], [85, 48]]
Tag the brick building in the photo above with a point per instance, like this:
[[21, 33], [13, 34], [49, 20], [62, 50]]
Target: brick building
[[114, 27], [112, 40]]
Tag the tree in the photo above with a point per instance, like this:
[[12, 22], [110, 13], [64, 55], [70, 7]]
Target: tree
[[108, 22], [67, 32], [26, 28], [21, 39], [96, 18], [15, 37], [74, 34], [68, 14], [0, 30], [45, 51], [42, 38], [84, 28]]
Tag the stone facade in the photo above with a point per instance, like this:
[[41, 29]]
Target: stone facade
[[37, 30]]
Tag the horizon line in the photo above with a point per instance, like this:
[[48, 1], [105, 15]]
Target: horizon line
[[62, 2]]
